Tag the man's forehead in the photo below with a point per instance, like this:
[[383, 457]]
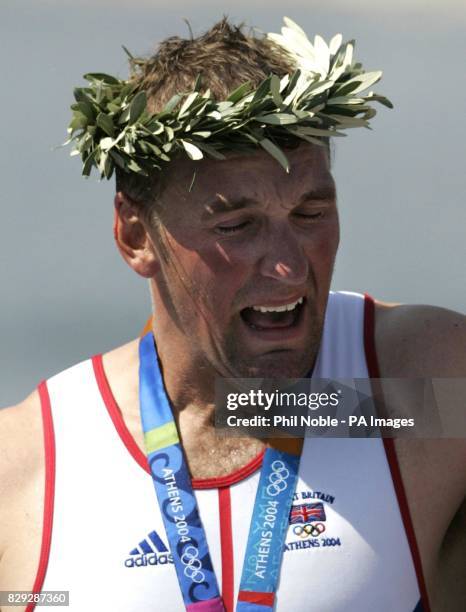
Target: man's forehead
[[307, 158], [245, 179]]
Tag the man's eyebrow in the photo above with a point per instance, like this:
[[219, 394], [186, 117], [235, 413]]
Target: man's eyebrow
[[221, 204], [327, 192]]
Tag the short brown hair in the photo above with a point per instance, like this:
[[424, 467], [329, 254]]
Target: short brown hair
[[225, 57]]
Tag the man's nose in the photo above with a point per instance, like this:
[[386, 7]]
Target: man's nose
[[284, 258]]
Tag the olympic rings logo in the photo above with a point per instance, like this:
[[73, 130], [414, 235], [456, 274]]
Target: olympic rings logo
[[192, 563], [277, 478], [309, 529]]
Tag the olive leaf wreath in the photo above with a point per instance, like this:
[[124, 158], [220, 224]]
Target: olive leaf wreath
[[111, 125]]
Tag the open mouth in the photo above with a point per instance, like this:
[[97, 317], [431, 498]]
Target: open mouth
[[263, 318]]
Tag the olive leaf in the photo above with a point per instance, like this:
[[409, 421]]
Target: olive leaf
[[137, 107], [192, 151], [275, 152]]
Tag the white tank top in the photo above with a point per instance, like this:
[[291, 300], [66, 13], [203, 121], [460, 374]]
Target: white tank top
[[107, 545]]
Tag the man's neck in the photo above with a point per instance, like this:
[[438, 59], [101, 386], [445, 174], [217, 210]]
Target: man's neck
[[188, 378], [190, 387], [208, 455]]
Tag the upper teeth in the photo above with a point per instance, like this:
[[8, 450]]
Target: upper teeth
[[278, 308]]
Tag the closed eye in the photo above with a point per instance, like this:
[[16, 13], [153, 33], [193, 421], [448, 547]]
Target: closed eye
[[231, 229], [311, 216]]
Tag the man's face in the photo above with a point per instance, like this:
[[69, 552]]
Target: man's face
[[248, 260]]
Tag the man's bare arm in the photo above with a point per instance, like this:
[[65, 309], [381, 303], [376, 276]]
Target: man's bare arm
[[22, 480], [426, 342], [429, 342]]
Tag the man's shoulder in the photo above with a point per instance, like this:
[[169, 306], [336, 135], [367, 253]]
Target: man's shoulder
[[122, 357], [114, 363], [121, 367], [22, 435], [25, 418], [419, 341], [427, 342], [21, 457], [20, 427]]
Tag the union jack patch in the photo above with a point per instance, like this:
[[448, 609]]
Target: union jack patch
[[306, 513]]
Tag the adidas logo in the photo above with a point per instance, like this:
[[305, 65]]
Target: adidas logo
[[150, 551]]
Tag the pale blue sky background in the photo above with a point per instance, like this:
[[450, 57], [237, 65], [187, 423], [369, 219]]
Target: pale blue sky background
[[65, 293]]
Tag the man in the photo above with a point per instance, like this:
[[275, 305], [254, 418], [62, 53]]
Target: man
[[239, 256]]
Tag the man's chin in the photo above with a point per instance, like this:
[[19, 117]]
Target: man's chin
[[279, 364]]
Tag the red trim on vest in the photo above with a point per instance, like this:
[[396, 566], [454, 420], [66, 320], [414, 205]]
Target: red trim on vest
[[226, 542], [115, 413], [389, 445], [130, 443], [369, 337], [49, 495], [262, 599], [406, 516]]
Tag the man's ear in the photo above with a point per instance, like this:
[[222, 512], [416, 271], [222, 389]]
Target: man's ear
[[132, 238]]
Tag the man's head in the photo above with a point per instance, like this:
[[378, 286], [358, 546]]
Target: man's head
[[225, 57], [221, 240]]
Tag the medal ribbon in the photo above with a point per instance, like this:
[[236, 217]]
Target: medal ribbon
[[185, 532]]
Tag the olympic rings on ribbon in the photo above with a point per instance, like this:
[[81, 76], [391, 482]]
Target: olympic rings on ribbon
[[309, 529], [277, 478], [192, 564]]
